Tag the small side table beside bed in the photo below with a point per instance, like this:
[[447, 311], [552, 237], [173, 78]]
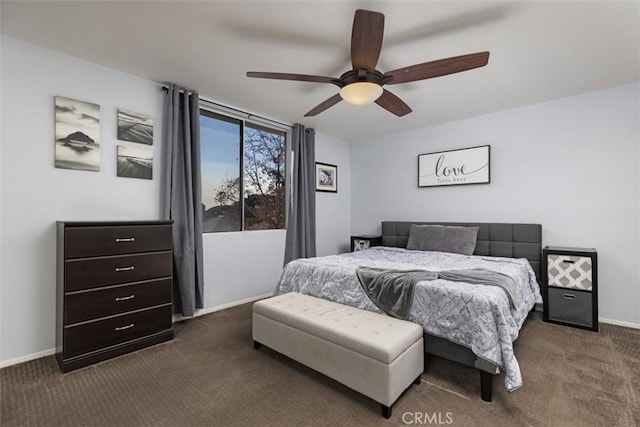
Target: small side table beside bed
[[571, 286], [364, 241]]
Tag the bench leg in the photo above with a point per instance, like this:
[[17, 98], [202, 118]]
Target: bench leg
[[386, 411], [256, 345], [486, 380], [418, 380]]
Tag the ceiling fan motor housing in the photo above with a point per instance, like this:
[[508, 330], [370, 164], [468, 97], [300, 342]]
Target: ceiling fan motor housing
[[361, 75]]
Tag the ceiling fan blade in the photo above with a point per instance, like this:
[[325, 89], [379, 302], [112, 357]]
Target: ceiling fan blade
[[393, 104], [295, 77], [366, 39], [440, 67], [324, 105]]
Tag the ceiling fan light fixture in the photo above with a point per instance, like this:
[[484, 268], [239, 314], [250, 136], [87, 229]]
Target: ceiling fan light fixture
[[361, 93], [362, 84]]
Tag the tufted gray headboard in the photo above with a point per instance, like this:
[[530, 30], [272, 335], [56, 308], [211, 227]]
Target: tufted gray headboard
[[494, 239]]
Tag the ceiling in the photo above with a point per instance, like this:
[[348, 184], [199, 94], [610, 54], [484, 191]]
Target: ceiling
[[539, 51]]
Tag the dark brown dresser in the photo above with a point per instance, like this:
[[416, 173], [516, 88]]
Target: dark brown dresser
[[114, 289]]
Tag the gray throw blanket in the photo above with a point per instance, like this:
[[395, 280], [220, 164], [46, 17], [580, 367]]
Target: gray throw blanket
[[392, 290]]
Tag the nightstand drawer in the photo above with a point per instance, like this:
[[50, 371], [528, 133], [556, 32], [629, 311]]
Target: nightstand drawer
[[570, 306], [92, 304], [81, 242], [114, 330], [568, 271], [103, 271]]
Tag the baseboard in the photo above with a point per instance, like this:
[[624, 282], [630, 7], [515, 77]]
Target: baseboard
[[176, 318], [27, 358], [539, 307], [619, 323], [203, 311]]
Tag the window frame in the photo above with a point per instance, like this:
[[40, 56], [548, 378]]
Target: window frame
[[220, 112]]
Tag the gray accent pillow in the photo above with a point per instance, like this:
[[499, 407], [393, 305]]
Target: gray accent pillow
[[440, 238]]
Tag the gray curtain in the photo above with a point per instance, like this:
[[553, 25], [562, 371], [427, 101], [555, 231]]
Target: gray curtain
[[182, 194], [301, 220]]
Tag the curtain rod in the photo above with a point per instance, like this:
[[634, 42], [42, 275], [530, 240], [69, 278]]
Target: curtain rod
[[236, 110]]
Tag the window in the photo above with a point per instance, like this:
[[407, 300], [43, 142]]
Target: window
[[243, 174]]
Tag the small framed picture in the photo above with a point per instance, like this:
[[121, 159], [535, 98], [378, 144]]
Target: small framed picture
[[134, 162], [135, 127], [326, 177], [77, 144]]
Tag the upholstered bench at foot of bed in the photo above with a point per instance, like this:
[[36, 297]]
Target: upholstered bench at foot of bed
[[376, 355]]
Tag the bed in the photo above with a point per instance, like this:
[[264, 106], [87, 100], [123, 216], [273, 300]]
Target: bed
[[469, 324]]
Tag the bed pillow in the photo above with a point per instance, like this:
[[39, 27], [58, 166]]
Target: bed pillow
[[440, 238]]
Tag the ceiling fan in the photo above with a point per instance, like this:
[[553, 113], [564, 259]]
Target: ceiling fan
[[363, 84]]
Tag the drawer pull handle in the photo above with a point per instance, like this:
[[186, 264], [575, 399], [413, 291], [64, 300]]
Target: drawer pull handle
[[125, 298], [125, 268], [569, 296], [126, 239], [568, 261], [122, 328]]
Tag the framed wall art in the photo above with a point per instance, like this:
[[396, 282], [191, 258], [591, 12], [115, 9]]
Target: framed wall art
[[454, 167], [326, 177], [135, 127], [77, 134], [134, 162]]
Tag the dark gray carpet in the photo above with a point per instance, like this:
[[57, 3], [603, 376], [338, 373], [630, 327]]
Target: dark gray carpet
[[210, 375]]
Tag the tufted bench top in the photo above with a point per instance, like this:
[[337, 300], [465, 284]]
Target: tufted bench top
[[377, 336]]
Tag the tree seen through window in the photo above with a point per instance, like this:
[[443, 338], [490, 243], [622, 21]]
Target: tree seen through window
[[260, 202]]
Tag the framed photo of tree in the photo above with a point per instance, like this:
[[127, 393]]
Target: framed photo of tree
[[326, 177]]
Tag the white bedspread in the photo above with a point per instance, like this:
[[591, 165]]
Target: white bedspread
[[477, 317]]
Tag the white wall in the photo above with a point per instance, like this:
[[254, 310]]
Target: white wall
[[571, 165], [34, 194], [1, 133], [333, 210], [241, 265]]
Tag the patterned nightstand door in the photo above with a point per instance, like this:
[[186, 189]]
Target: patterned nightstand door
[[571, 291], [360, 243], [573, 272]]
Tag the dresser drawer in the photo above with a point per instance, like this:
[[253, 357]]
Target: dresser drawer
[[570, 306], [103, 271], [87, 305], [106, 332], [81, 242], [572, 272]]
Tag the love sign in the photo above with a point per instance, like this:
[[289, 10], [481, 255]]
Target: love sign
[[454, 167]]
